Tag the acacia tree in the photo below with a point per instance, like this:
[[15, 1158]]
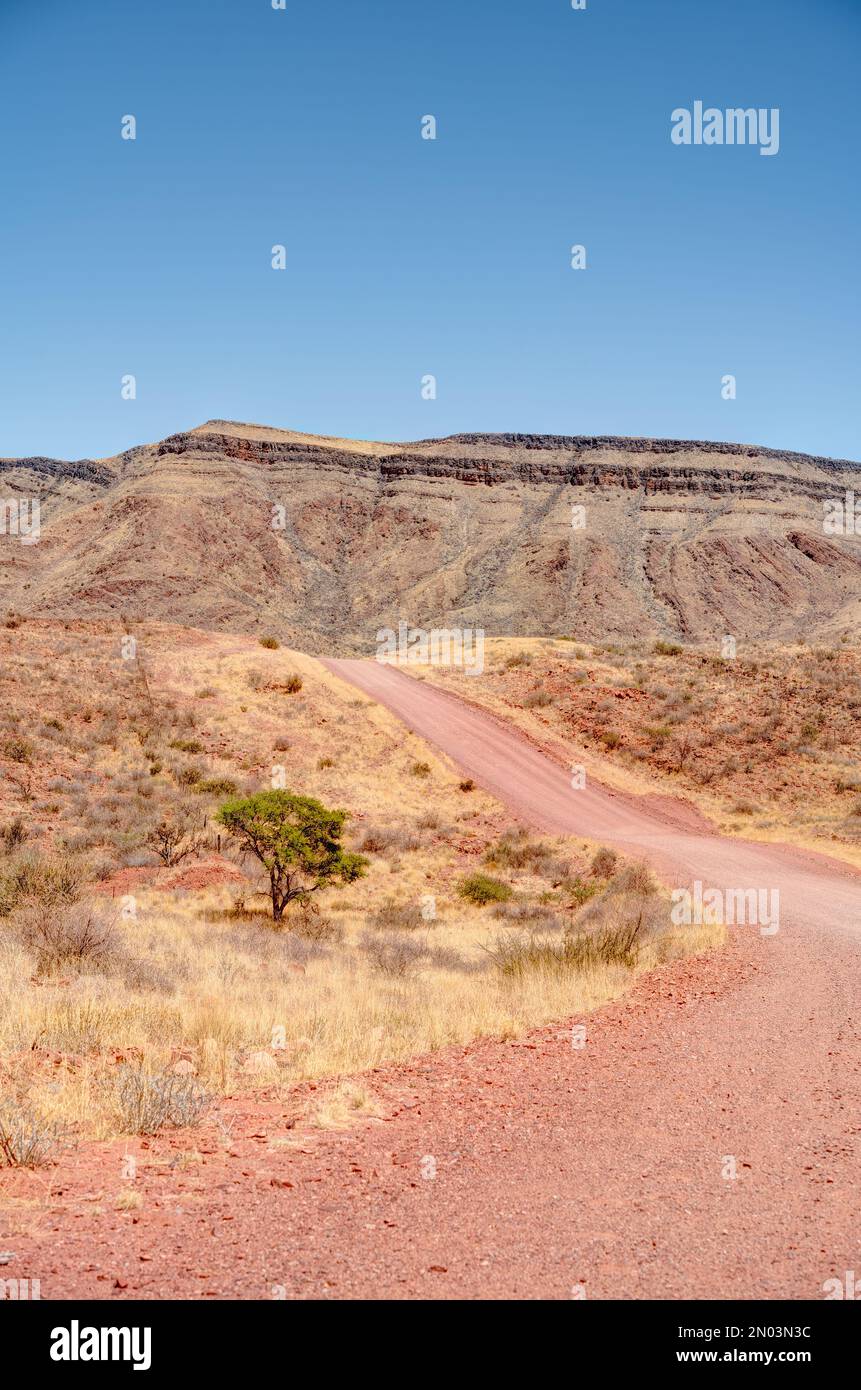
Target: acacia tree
[[297, 840]]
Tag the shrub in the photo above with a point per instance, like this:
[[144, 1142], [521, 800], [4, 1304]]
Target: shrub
[[396, 956], [52, 879], [293, 684], [26, 1139], [18, 750], [667, 649], [325, 762], [604, 863], [481, 888], [187, 745], [313, 926], [634, 878], [533, 916], [377, 839], [520, 659], [13, 835], [538, 699], [148, 1102], [398, 916], [581, 892], [270, 643], [516, 850], [216, 786], [59, 935], [420, 769], [467, 785], [178, 834], [189, 776]]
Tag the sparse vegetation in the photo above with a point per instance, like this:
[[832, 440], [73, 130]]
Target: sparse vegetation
[[27, 1139], [66, 934], [148, 1103], [191, 984]]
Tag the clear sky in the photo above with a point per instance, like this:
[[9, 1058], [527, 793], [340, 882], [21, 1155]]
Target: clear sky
[[408, 257]]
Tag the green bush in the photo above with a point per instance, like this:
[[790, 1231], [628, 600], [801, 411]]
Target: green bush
[[18, 750], [481, 888], [216, 786]]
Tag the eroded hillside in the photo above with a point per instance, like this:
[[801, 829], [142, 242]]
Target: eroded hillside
[[323, 541]]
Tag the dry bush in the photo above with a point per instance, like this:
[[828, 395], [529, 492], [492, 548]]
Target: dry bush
[[397, 916], [26, 1139], [604, 863], [396, 956], [538, 699], [537, 917], [179, 833], [33, 879], [312, 925], [517, 850], [67, 934], [148, 1103], [377, 839], [13, 836]]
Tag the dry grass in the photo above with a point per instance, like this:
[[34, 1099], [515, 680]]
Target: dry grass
[[243, 1017], [194, 983]]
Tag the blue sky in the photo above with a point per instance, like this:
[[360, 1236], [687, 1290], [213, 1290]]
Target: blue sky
[[408, 257]]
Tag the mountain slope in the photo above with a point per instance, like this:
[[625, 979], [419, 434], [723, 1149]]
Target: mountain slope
[[322, 541]]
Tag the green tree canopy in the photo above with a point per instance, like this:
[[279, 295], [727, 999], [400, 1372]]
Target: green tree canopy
[[297, 840]]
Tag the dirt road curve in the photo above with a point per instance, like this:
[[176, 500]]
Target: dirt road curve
[[557, 1169]]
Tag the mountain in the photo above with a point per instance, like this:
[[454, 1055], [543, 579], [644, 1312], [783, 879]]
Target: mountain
[[321, 541]]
